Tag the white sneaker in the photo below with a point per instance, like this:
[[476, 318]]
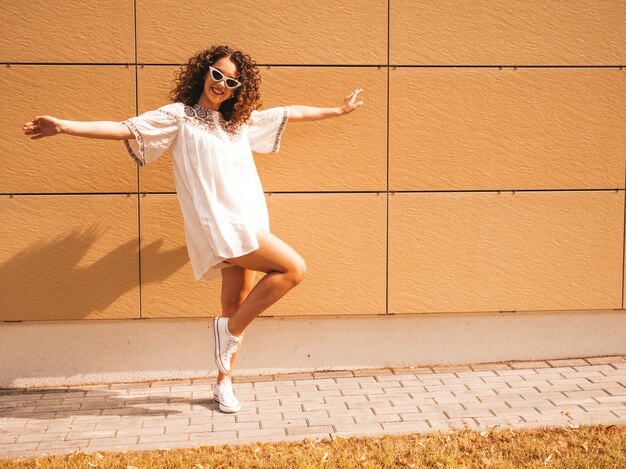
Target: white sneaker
[[226, 344], [224, 395]]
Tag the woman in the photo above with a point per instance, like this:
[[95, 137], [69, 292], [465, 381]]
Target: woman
[[212, 128]]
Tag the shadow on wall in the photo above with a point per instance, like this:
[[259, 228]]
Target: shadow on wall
[[48, 281]]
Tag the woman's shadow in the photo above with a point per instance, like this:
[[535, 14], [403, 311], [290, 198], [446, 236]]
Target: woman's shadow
[[50, 281], [45, 404]]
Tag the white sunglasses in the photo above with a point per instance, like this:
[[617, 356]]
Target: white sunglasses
[[216, 75]]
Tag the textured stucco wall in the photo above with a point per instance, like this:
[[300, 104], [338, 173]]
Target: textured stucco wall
[[485, 172]]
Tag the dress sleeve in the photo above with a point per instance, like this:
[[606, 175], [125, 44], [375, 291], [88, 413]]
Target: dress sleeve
[[265, 129], [154, 132]]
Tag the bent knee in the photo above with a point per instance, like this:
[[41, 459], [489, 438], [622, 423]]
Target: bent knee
[[297, 272]]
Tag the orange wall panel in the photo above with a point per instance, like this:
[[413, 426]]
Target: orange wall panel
[[345, 153], [342, 240], [340, 236], [63, 163], [272, 31], [69, 257], [67, 31], [504, 32], [475, 129], [500, 252]]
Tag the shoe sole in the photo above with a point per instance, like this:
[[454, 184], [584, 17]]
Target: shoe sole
[[218, 360], [225, 408], [229, 410]]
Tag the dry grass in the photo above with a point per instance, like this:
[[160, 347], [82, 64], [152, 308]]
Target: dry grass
[[580, 447]]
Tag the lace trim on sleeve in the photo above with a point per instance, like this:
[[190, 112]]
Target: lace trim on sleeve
[[280, 130], [142, 147]]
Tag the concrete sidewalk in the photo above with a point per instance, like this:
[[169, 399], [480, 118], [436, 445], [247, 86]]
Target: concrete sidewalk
[[174, 414]]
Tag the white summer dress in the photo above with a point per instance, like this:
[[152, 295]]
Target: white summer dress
[[218, 187]]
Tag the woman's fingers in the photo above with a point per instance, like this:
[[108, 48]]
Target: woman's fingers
[[350, 101], [352, 96]]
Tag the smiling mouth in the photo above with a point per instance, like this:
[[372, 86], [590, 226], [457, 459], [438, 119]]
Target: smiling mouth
[[216, 91]]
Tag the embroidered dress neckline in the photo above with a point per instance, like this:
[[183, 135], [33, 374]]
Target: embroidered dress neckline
[[202, 112], [210, 120], [199, 107]]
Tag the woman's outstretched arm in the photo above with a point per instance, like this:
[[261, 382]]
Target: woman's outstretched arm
[[308, 113], [47, 126]]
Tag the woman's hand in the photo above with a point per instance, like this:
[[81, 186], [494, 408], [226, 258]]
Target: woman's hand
[[350, 103], [42, 126]]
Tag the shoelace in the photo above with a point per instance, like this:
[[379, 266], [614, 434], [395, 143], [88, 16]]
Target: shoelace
[[231, 347]]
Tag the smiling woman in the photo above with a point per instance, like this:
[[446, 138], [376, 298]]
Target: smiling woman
[[205, 79], [212, 127]]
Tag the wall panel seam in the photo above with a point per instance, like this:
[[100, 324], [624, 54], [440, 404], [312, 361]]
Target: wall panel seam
[[138, 176], [378, 192], [623, 237], [387, 161], [393, 66]]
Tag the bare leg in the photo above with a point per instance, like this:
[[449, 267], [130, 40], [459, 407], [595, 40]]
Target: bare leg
[[285, 269], [236, 285]]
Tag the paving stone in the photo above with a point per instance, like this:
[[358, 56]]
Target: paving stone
[[372, 372], [65, 446], [412, 416], [605, 360], [519, 373], [567, 362], [579, 394], [455, 414], [39, 437], [162, 438], [218, 426], [294, 376], [499, 421], [530, 364], [261, 434], [141, 431], [368, 405], [490, 366], [313, 413], [17, 449], [451, 369], [320, 421], [280, 423], [395, 409], [438, 408], [377, 418], [357, 379], [309, 431], [346, 429], [91, 434], [333, 374], [214, 437], [415, 426], [396, 377]]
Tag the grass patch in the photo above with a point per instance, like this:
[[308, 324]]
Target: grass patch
[[580, 447]]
